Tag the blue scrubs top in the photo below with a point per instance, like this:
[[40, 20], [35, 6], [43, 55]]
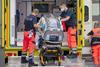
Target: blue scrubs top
[[72, 20], [29, 23]]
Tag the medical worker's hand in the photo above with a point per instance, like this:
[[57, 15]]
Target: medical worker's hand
[[37, 26]]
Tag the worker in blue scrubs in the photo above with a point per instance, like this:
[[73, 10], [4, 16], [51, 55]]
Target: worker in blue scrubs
[[69, 24]]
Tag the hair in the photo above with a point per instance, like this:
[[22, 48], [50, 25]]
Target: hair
[[36, 11], [62, 4]]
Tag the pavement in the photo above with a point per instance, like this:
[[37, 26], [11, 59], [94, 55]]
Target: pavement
[[76, 62]]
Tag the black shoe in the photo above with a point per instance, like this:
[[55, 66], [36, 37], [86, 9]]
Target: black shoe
[[23, 60], [31, 63]]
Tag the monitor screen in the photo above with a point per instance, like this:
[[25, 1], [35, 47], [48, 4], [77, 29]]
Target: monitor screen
[[42, 7]]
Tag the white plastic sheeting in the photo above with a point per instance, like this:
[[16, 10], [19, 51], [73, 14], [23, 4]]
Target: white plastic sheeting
[[12, 21]]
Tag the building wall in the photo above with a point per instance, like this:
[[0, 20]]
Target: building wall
[[96, 10], [95, 1]]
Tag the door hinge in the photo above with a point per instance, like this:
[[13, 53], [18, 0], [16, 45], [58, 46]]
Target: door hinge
[[5, 10], [5, 42], [5, 26]]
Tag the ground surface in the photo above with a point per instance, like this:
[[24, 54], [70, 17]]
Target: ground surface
[[15, 62]]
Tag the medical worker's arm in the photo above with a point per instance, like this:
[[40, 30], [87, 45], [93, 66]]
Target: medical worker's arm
[[66, 19], [35, 23], [68, 15]]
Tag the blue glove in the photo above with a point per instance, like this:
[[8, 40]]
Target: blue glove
[[42, 26]]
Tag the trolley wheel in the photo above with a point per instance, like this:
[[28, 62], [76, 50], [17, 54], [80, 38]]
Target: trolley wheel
[[59, 63], [6, 60]]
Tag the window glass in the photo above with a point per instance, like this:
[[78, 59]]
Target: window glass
[[42, 7], [96, 9], [86, 13]]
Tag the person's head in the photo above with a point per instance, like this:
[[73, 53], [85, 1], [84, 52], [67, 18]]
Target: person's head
[[63, 7], [35, 12]]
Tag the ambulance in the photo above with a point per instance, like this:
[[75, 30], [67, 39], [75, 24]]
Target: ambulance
[[15, 11]]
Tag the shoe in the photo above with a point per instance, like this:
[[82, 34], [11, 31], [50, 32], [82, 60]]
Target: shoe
[[23, 60], [31, 63]]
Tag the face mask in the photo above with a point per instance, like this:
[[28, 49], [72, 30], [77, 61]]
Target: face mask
[[62, 9]]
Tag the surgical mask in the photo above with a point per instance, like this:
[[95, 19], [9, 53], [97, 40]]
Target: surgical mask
[[62, 9]]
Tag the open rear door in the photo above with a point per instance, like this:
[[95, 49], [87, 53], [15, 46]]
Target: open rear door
[[2, 63], [80, 25]]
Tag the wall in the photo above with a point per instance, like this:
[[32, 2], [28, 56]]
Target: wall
[[96, 11], [29, 8], [23, 13]]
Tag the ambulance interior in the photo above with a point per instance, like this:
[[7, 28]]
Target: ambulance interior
[[19, 9]]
